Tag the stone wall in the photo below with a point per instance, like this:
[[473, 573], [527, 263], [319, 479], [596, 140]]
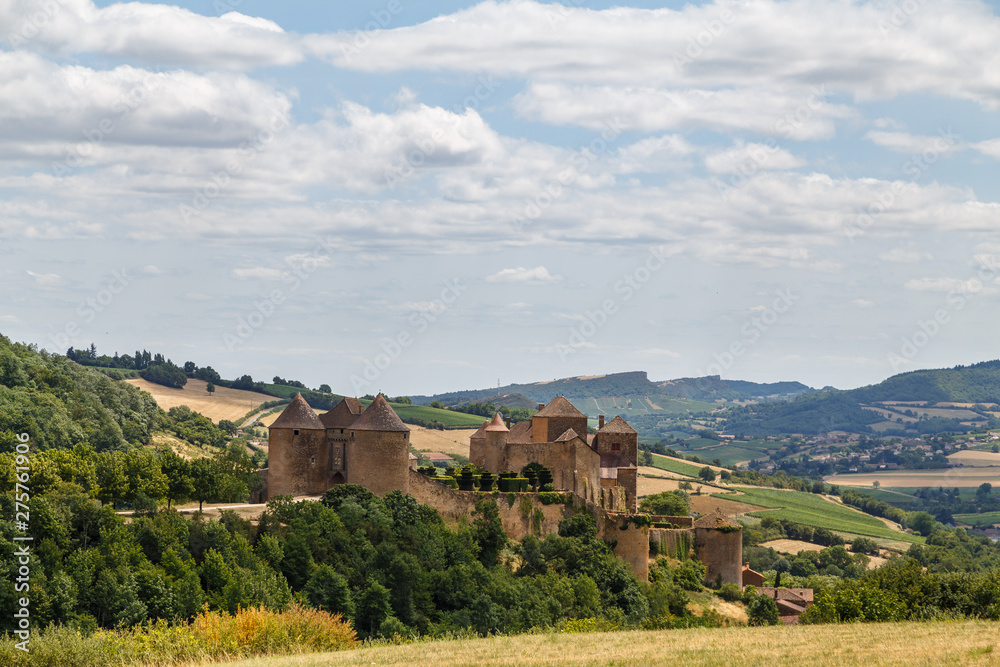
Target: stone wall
[[527, 515], [673, 542], [721, 552], [379, 461], [298, 464]]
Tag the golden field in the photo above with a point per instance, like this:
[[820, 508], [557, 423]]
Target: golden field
[[225, 403], [868, 645]]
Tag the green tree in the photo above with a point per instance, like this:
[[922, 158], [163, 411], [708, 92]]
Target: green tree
[[780, 566], [205, 480], [210, 387], [488, 532], [707, 474], [762, 610], [667, 503], [177, 470], [372, 608], [328, 591], [112, 482]]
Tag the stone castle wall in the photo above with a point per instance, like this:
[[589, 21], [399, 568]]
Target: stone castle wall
[[297, 464], [379, 461], [721, 553]]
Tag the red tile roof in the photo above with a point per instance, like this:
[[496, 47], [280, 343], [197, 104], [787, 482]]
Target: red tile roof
[[715, 520], [298, 414], [570, 434], [497, 424], [520, 434]]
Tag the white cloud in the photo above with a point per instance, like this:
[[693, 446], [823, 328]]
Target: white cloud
[[970, 286], [45, 280], [863, 303], [156, 33], [751, 158], [904, 142], [152, 270], [907, 255], [535, 276], [259, 273]]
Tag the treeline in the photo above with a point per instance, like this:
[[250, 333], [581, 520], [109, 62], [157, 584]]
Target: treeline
[[873, 506], [489, 409], [59, 404], [388, 564]]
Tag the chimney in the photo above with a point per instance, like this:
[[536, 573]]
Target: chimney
[[541, 405], [508, 423], [600, 422]]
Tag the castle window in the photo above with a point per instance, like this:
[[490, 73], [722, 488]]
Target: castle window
[[312, 461], [616, 447], [296, 431]]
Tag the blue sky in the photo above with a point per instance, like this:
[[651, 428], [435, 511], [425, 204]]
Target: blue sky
[[417, 197]]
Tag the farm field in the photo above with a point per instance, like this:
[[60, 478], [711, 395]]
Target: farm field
[[975, 458], [849, 645], [456, 420], [446, 442], [947, 477], [986, 519], [678, 466], [812, 510], [791, 546], [225, 403]]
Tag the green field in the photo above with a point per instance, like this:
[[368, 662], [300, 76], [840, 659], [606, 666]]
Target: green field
[[672, 465], [812, 510], [985, 519]]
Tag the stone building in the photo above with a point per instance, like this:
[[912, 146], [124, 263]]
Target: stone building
[[598, 467], [350, 444], [718, 540]]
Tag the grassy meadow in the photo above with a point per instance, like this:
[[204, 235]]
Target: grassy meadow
[[873, 644]]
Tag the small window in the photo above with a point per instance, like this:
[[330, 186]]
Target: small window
[[312, 461], [296, 431], [616, 447]]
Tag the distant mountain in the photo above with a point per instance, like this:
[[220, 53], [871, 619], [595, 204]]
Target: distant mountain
[[852, 410], [629, 384]]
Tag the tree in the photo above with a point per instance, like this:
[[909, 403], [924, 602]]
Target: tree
[[876, 484], [373, 607], [707, 474], [984, 489], [205, 480], [178, 474], [647, 458], [210, 387], [762, 610], [922, 522], [487, 531], [667, 503], [325, 388], [328, 591], [780, 566]]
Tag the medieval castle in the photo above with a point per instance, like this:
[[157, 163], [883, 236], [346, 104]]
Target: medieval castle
[[352, 444]]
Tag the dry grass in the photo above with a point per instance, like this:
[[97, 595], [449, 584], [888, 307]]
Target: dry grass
[[447, 442], [973, 457], [950, 477], [791, 546], [879, 645], [225, 403]]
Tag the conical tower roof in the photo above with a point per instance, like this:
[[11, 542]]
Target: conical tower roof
[[379, 416], [298, 414], [618, 425], [716, 519], [560, 407], [497, 424]]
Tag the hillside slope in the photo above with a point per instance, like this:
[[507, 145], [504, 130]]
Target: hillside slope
[[224, 403]]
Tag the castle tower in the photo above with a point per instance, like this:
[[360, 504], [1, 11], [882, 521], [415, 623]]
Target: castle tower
[[617, 437], [496, 433], [337, 421], [377, 450], [719, 542], [556, 418], [298, 462]]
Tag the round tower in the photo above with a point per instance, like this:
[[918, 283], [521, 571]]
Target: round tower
[[378, 450], [719, 542], [297, 452], [496, 433]]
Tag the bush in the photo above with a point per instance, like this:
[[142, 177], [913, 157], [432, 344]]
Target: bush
[[730, 593], [762, 610], [690, 575]]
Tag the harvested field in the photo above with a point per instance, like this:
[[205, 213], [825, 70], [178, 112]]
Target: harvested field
[[975, 458], [950, 477], [707, 504], [447, 442], [792, 546], [225, 403]]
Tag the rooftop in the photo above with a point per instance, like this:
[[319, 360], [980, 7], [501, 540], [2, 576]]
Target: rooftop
[[618, 425], [560, 407], [298, 414], [379, 416]]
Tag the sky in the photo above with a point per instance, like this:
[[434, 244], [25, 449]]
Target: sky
[[423, 197]]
